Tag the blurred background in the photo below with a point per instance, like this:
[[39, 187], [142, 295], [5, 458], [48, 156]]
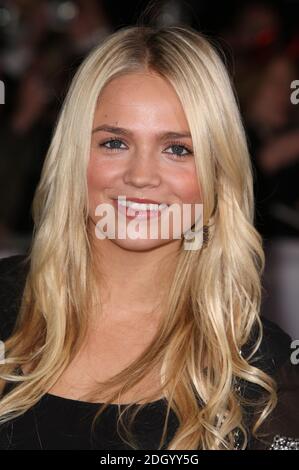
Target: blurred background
[[43, 42]]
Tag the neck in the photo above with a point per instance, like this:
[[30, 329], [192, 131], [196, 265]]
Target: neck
[[134, 283]]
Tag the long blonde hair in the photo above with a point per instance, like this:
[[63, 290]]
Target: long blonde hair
[[214, 301]]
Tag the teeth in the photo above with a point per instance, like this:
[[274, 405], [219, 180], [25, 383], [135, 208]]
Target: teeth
[[141, 206]]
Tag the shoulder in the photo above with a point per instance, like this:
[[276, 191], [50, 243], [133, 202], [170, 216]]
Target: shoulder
[[13, 271]]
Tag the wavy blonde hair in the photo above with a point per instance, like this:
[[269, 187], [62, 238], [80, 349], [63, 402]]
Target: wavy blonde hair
[[214, 301]]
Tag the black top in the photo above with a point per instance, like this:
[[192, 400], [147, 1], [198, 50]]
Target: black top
[[61, 423]]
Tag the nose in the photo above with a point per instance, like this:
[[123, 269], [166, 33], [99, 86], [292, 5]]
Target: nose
[[143, 170]]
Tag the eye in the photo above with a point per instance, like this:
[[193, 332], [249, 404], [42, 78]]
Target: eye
[[178, 150], [114, 144]]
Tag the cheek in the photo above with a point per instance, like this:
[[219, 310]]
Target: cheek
[[94, 178], [99, 176], [96, 183], [185, 186]]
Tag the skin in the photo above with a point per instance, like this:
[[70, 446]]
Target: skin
[[142, 165]]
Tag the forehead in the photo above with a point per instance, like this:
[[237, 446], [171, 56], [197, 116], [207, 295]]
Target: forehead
[[140, 100]]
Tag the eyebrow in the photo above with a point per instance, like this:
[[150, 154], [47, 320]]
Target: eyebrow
[[127, 132]]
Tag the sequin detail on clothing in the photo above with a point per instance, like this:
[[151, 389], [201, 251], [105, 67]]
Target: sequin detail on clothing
[[284, 443]]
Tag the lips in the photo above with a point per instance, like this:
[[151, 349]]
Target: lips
[[140, 201]]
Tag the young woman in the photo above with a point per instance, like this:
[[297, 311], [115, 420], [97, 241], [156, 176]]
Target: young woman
[[141, 342]]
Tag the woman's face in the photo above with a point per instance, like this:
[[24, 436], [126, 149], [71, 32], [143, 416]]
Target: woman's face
[[141, 148]]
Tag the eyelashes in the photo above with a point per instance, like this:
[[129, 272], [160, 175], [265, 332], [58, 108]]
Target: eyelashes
[[175, 144]]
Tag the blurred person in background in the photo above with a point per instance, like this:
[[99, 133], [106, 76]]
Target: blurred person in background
[[266, 55], [42, 44], [273, 136]]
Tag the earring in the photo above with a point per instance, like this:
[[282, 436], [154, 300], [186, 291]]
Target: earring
[[205, 238], [205, 241]]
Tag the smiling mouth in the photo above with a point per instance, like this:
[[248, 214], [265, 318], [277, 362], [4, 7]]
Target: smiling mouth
[[138, 210]]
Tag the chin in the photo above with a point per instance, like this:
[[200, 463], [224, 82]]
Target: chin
[[140, 244]]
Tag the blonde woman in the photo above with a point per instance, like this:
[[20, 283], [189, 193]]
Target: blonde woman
[[113, 342]]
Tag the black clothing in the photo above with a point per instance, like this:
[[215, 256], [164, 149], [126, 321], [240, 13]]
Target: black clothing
[[62, 423]]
